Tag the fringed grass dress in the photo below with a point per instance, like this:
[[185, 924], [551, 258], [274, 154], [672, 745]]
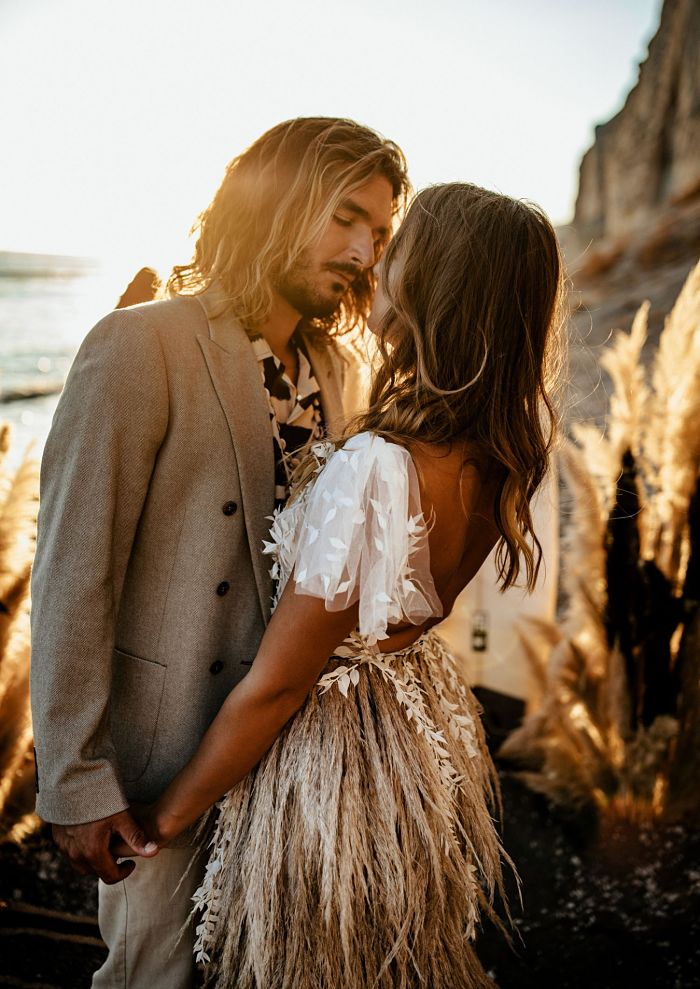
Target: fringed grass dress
[[361, 850]]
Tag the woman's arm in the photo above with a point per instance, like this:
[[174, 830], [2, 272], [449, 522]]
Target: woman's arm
[[293, 652]]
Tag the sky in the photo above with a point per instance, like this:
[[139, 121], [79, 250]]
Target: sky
[[117, 118]]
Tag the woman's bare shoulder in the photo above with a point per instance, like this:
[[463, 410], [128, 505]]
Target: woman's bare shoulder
[[444, 471]]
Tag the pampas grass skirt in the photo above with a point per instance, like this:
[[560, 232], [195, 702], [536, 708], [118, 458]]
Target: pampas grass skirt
[[361, 851]]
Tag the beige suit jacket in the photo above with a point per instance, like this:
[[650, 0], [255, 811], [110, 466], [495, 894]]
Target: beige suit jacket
[[149, 591]]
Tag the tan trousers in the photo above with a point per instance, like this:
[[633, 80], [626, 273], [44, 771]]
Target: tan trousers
[[140, 920]]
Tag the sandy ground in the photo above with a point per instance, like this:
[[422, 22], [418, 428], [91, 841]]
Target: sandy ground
[[599, 912]]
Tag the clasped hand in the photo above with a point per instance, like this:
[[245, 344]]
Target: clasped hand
[[93, 848]]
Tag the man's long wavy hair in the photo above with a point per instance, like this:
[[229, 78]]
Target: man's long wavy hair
[[474, 319], [275, 201]]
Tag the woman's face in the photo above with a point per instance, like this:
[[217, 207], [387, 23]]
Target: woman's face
[[380, 303]]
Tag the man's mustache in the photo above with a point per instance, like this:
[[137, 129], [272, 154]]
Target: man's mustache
[[350, 271]]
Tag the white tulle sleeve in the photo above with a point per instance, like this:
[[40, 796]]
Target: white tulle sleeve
[[362, 537]]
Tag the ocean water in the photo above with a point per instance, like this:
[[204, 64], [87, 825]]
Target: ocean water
[[47, 305]]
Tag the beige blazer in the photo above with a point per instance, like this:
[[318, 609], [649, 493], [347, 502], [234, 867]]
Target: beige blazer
[[149, 591]]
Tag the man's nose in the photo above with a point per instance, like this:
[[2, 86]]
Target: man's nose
[[362, 248]]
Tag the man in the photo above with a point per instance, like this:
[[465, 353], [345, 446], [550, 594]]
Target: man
[[178, 429]]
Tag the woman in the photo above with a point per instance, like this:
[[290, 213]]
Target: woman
[[354, 846]]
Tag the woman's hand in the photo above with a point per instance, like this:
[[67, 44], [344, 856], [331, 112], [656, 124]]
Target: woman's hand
[[146, 815]]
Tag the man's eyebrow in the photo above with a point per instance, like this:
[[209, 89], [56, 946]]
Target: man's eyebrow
[[352, 207]]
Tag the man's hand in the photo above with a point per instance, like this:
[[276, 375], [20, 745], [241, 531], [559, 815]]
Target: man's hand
[[87, 846]]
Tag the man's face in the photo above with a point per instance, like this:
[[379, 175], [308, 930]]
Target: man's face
[[350, 244]]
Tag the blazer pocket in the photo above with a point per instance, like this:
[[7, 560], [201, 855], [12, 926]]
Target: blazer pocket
[[137, 693]]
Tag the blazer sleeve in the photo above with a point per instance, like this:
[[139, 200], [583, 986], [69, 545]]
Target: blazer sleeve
[[99, 457]]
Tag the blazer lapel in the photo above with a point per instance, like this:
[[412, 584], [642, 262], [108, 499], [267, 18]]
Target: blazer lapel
[[236, 378]]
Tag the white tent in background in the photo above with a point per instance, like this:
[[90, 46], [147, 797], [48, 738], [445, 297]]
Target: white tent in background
[[486, 628]]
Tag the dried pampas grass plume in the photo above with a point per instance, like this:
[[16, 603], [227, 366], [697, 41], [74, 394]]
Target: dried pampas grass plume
[[672, 437], [628, 402], [618, 724], [19, 499]]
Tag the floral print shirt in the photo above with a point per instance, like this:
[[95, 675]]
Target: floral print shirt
[[296, 415]]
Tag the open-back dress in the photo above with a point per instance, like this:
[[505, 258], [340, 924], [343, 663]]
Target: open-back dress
[[361, 850]]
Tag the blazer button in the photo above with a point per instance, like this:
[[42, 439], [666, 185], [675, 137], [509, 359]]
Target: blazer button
[[216, 667], [223, 588], [229, 508]]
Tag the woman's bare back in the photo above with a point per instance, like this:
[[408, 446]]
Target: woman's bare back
[[458, 505]]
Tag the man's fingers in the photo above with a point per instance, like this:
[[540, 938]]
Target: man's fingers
[[87, 846], [103, 863], [126, 868]]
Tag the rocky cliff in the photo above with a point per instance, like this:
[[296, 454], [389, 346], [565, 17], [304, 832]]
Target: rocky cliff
[[636, 230], [647, 158]]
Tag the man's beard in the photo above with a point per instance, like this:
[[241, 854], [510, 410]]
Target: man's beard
[[298, 289]]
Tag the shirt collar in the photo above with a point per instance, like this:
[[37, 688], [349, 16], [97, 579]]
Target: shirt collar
[[306, 382]]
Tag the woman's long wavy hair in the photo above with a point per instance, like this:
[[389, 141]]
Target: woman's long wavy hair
[[275, 201], [474, 315]]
